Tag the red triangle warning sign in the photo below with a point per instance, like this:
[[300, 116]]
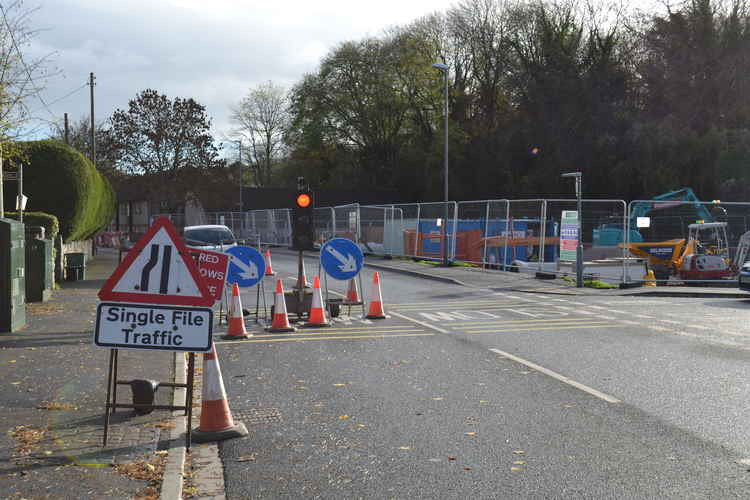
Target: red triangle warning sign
[[158, 270]]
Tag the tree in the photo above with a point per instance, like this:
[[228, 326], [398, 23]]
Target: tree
[[79, 135], [22, 77], [165, 137], [262, 118]]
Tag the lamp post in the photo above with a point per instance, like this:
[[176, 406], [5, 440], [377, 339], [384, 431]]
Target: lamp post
[[239, 145], [579, 249], [444, 68]]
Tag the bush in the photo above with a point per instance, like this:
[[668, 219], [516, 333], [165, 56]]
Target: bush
[[59, 180], [48, 221]]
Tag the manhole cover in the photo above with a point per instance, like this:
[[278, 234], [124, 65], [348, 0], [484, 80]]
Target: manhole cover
[[257, 416]]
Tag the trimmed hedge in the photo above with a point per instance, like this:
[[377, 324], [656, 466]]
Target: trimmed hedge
[[48, 221], [59, 180]]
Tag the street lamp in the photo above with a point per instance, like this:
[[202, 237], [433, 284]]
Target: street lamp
[[444, 68], [239, 145], [579, 249]]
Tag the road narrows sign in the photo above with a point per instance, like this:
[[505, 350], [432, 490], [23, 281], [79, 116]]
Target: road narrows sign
[[158, 270]]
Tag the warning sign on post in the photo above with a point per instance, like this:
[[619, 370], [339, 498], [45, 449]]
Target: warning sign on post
[[212, 267], [164, 328]]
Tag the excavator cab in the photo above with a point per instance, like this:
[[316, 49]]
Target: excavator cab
[[706, 253]]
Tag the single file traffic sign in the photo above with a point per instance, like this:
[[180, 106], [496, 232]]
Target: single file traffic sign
[[161, 328], [342, 259], [246, 266]]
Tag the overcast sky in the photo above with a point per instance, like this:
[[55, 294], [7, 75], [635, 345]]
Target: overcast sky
[[211, 50]]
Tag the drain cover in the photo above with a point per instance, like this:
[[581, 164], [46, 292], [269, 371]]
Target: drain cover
[[257, 416]]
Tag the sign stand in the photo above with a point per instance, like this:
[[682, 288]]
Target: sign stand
[[342, 259], [112, 403]]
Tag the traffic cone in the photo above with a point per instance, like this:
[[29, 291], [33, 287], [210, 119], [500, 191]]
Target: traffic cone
[[216, 422], [352, 294], [269, 268], [649, 279], [376, 304], [236, 328], [317, 312], [302, 279], [280, 321]]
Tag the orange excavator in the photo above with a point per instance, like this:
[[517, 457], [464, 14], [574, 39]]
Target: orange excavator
[[703, 256]]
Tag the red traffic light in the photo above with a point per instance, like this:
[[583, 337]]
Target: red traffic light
[[303, 200]]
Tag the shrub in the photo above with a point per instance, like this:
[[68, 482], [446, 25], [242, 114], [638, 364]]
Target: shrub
[[59, 180], [48, 221]]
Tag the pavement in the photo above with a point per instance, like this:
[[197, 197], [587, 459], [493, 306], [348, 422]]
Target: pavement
[[54, 380]]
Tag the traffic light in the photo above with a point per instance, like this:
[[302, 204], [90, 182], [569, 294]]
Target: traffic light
[[303, 228]]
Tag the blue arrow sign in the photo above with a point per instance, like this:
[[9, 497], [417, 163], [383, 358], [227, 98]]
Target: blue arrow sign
[[246, 266], [341, 258]]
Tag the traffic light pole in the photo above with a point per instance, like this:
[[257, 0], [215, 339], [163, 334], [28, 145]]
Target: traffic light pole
[[300, 284]]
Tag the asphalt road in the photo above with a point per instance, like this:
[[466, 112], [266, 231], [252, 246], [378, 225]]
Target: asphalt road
[[477, 394]]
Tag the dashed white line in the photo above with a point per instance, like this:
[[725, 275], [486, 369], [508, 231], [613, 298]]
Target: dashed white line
[[557, 376]]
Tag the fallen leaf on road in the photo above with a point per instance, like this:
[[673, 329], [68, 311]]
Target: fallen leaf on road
[[519, 462], [340, 385], [451, 458], [56, 406], [471, 433], [12, 361], [404, 447], [483, 401], [519, 452], [15, 383], [361, 425], [516, 468], [343, 417], [467, 467], [246, 458], [437, 399]]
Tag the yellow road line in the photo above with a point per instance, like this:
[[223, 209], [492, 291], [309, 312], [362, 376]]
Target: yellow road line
[[572, 327], [329, 338], [463, 302], [327, 331]]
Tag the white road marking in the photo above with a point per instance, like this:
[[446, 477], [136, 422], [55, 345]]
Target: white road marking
[[557, 376], [426, 325], [671, 321], [642, 316]]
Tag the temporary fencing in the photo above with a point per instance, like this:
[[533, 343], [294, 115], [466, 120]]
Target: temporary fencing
[[512, 235]]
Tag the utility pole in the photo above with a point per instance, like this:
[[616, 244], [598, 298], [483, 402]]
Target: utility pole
[[67, 130], [239, 143], [2, 201], [19, 201], [93, 136]]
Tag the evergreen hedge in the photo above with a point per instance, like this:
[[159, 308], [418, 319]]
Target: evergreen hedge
[[48, 221], [59, 180]]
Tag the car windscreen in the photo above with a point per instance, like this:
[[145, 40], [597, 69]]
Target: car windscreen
[[208, 236]]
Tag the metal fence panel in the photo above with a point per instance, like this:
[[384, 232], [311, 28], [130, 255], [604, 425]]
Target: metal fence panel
[[659, 230]]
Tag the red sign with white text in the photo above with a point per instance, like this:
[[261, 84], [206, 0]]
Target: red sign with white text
[[212, 267]]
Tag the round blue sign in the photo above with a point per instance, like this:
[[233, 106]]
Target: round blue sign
[[341, 258], [246, 266]]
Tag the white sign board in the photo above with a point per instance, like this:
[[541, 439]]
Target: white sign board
[[161, 328], [643, 221]]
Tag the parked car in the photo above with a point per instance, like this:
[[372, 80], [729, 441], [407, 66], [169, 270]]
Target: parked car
[[744, 277], [209, 237]]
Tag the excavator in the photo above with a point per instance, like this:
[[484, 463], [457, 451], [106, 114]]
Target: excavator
[[703, 256]]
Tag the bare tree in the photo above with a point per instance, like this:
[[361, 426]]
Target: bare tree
[[262, 119], [21, 77]]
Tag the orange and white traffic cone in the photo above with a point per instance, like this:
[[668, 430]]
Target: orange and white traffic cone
[[236, 328], [352, 293], [269, 268], [317, 313], [280, 321], [216, 421], [302, 278], [376, 304]]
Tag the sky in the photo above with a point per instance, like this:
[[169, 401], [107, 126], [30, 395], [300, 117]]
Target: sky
[[214, 51]]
